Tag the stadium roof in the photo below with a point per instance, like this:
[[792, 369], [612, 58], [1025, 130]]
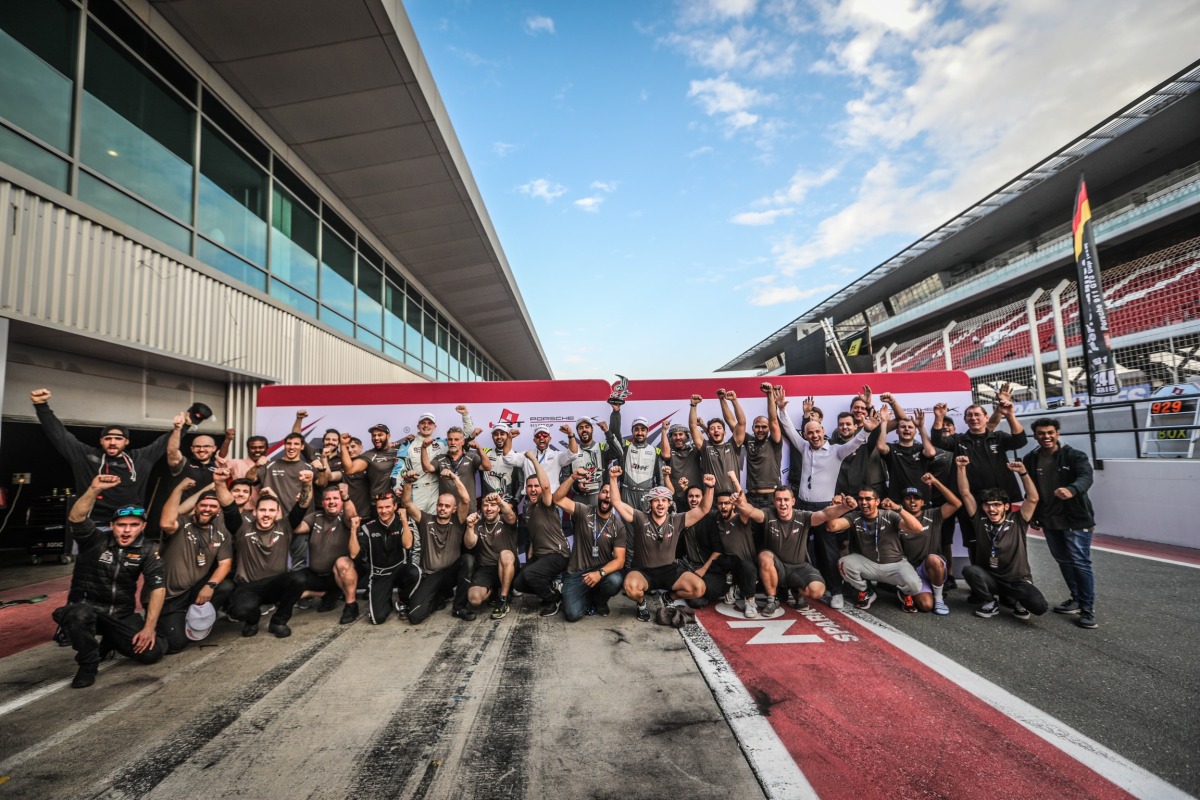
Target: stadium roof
[[345, 85], [1151, 133]]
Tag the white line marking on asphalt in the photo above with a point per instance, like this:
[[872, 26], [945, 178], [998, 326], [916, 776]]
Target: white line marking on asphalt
[[38, 694], [87, 722], [1124, 773], [1132, 554], [773, 765]]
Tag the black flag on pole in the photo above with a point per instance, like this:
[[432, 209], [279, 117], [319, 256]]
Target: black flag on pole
[[1098, 358]]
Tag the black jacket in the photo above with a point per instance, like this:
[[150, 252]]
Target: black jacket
[[106, 574], [989, 454], [1072, 470]]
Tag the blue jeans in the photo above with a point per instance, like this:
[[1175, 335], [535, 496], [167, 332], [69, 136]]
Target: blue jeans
[[1072, 549], [578, 597]]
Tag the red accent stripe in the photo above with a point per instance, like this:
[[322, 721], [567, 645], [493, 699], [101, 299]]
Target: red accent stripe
[[865, 720]]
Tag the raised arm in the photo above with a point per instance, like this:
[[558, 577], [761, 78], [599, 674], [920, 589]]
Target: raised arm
[[168, 520], [470, 537], [738, 423], [665, 440], [694, 515], [747, 512], [464, 414], [506, 510], [485, 461], [83, 506], [350, 465], [952, 503], [354, 547], [406, 501], [614, 490], [1031, 492], [545, 498], [833, 513], [426, 464], [64, 441], [881, 443], [560, 494], [572, 443], [174, 455], [772, 413], [964, 485], [694, 426], [460, 489], [898, 412], [794, 439]]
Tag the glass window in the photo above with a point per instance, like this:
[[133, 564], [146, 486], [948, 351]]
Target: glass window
[[429, 329], [135, 130], [443, 349], [37, 54], [293, 243], [337, 321], [393, 318], [297, 300], [31, 159], [230, 264], [120, 205], [412, 360], [412, 329], [233, 197], [370, 290], [369, 339], [393, 351], [337, 274]]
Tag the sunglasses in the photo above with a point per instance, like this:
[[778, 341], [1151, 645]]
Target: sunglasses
[[130, 511]]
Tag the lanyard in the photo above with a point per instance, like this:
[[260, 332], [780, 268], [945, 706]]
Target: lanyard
[[597, 530], [994, 533]]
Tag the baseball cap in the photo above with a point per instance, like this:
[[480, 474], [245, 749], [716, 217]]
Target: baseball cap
[[541, 429], [115, 430], [640, 421], [199, 622], [584, 421], [379, 426], [500, 426], [914, 490], [427, 416]]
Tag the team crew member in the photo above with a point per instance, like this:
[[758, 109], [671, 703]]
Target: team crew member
[[256, 448], [737, 562], [719, 457], [112, 457], [696, 547], [1064, 513], [590, 456], [358, 485], [382, 551], [261, 576], [104, 585], [784, 558], [444, 535], [465, 459], [507, 475], [594, 570], [948, 473], [377, 464], [865, 467], [987, 449], [816, 464], [552, 461], [548, 548], [907, 461], [199, 466], [683, 459], [282, 478], [654, 565], [921, 549], [329, 565], [1001, 566], [880, 554], [495, 554], [427, 489], [197, 554], [641, 462], [764, 454]]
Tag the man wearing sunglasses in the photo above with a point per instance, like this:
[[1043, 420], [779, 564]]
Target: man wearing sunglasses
[[104, 586]]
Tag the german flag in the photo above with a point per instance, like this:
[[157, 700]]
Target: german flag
[[1101, 366]]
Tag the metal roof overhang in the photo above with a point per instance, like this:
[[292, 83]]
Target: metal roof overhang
[[345, 85], [1116, 156]]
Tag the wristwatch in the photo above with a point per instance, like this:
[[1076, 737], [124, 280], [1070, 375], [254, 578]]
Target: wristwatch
[[211, 585], [602, 574]]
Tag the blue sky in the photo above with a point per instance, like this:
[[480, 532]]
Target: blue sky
[[672, 182]]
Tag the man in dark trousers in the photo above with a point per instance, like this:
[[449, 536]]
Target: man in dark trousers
[[1063, 476], [112, 457], [104, 586]]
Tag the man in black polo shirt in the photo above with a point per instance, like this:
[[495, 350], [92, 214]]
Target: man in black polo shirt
[[720, 456], [906, 460], [465, 459], [654, 566], [1000, 569], [104, 585]]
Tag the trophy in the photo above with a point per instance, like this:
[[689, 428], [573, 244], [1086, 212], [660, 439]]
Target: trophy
[[620, 390]]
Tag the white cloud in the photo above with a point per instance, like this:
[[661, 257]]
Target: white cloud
[[604, 186], [503, 148], [536, 25], [800, 185], [722, 96], [542, 188], [760, 218], [766, 293], [590, 204], [700, 151], [751, 50], [693, 12]]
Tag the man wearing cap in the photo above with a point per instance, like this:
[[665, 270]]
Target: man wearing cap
[[764, 453], [377, 464], [496, 555], [921, 549], [197, 554], [382, 550], [719, 456], [444, 536], [590, 456], [329, 566], [112, 457], [682, 459], [595, 567], [507, 475], [641, 462], [654, 566], [552, 461], [548, 549], [261, 575], [104, 586], [426, 489]]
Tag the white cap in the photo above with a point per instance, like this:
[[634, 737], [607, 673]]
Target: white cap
[[427, 415], [640, 421], [200, 619], [541, 429]]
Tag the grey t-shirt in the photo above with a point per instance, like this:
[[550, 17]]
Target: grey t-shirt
[[736, 538], [191, 553], [328, 540], [655, 544], [283, 478], [1006, 543], [787, 539], [545, 531], [380, 464], [595, 538], [719, 459], [764, 459], [494, 538], [261, 554], [918, 546], [878, 539], [441, 543]]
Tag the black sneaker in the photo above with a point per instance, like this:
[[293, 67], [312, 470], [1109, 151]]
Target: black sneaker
[[988, 609], [85, 677], [402, 610], [1020, 612], [950, 584], [602, 608], [249, 630], [1068, 606], [1087, 619], [328, 603], [280, 630], [644, 613], [501, 609], [698, 602], [465, 613], [349, 614], [864, 599], [549, 609], [306, 603]]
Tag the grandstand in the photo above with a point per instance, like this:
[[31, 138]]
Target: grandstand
[[992, 292]]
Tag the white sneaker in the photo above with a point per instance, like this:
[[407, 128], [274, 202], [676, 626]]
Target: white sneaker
[[730, 596], [751, 610], [838, 601]]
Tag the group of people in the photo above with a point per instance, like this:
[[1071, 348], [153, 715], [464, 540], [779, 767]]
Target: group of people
[[712, 512]]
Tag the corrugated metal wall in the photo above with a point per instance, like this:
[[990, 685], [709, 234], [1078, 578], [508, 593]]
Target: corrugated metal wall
[[65, 271]]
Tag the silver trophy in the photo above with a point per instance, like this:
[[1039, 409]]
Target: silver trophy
[[620, 390]]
